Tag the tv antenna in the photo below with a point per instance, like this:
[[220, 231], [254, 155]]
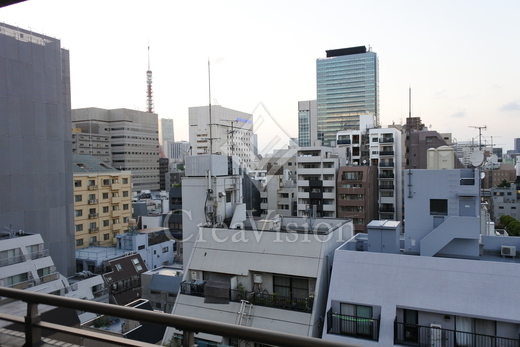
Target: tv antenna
[[479, 134]]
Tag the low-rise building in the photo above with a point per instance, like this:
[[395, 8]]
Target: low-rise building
[[160, 286]]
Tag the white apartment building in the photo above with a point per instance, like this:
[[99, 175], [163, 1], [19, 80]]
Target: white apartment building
[[229, 132], [317, 169], [379, 147]]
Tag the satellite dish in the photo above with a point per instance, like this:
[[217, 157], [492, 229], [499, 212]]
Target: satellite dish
[[364, 161], [346, 161], [476, 158], [482, 175]]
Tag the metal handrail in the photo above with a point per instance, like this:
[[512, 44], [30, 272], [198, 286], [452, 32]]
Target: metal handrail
[[187, 324]]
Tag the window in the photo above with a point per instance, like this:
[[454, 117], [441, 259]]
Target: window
[[125, 194], [77, 184], [78, 213], [125, 180], [358, 319], [79, 242], [79, 227], [438, 207], [91, 183], [106, 237], [118, 267], [105, 195], [293, 287], [115, 221], [126, 219], [105, 209], [106, 223], [106, 182], [165, 249], [140, 247], [77, 198]]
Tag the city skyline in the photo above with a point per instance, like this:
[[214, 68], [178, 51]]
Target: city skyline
[[458, 58]]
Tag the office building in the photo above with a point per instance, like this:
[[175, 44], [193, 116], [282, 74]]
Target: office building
[[35, 141], [307, 123], [176, 151], [517, 145], [102, 202], [92, 144], [134, 142], [227, 132], [347, 87], [166, 130]]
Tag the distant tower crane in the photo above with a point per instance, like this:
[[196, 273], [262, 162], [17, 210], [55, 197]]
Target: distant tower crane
[[479, 135], [149, 99]]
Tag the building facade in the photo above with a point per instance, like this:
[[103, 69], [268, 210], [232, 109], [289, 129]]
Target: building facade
[[166, 132], [92, 144], [228, 132], [307, 123], [134, 142], [347, 87], [35, 141], [317, 169], [102, 202]]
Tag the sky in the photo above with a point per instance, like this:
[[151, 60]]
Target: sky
[[460, 58]]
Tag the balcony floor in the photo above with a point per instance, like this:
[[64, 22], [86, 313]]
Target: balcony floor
[[11, 338]]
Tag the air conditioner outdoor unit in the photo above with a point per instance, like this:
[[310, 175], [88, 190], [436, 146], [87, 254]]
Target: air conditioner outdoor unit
[[508, 251]]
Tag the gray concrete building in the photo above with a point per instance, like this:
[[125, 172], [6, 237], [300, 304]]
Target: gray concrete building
[[134, 142], [35, 141]]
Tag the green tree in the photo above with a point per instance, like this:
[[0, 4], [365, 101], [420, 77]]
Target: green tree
[[511, 225], [504, 184]]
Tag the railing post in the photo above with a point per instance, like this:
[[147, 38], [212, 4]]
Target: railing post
[[188, 339], [33, 334]]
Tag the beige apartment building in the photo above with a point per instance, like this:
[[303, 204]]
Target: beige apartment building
[[102, 202]]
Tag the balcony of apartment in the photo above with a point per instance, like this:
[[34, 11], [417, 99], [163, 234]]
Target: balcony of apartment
[[12, 260], [93, 215], [116, 213], [386, 164], [385, 153], [353, 326], [92, 187], [115, 186], [386, 186], [50, 277], [343, 142], [116, 200], [37, 255], [386, 209], [310, 171], [386, 139], [33, 325], [435, 335], [387, 175], [93, 230]]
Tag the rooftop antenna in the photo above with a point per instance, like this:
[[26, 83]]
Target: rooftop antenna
[[210, 122], [149, 99], [479, 134]]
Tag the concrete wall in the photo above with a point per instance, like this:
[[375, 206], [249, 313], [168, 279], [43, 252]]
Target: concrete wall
[[35, 141]]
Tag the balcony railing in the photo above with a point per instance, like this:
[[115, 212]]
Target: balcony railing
[[391, 175], [358, 327], [93, 215], [37, 255], [195, 288], [11, 260], [273, 300], [385, 164], [386, 139], [386, 153], [387, 209], [386, 186], [343, 142], [92, 187], [420, 335], [34, 325]]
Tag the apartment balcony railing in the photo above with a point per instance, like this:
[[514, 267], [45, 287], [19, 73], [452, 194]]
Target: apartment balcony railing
[[195, 288], [386, 186], [386, 139], [358, 327], [93, 215], [93, 187], [343, 142], [381, 153], [37, 255], [92, 201], [50, 277], [387, 209], [11, 260], [426, 336], [385, 164], [273, 300], [33, 324]]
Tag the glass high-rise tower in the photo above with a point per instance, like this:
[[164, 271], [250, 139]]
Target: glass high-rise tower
[[347, 86]]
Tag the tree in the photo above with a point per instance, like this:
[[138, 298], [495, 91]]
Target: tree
[[504, 184], [511, 225]]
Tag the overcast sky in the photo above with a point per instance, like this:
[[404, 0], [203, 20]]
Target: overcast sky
[[461, 58]]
